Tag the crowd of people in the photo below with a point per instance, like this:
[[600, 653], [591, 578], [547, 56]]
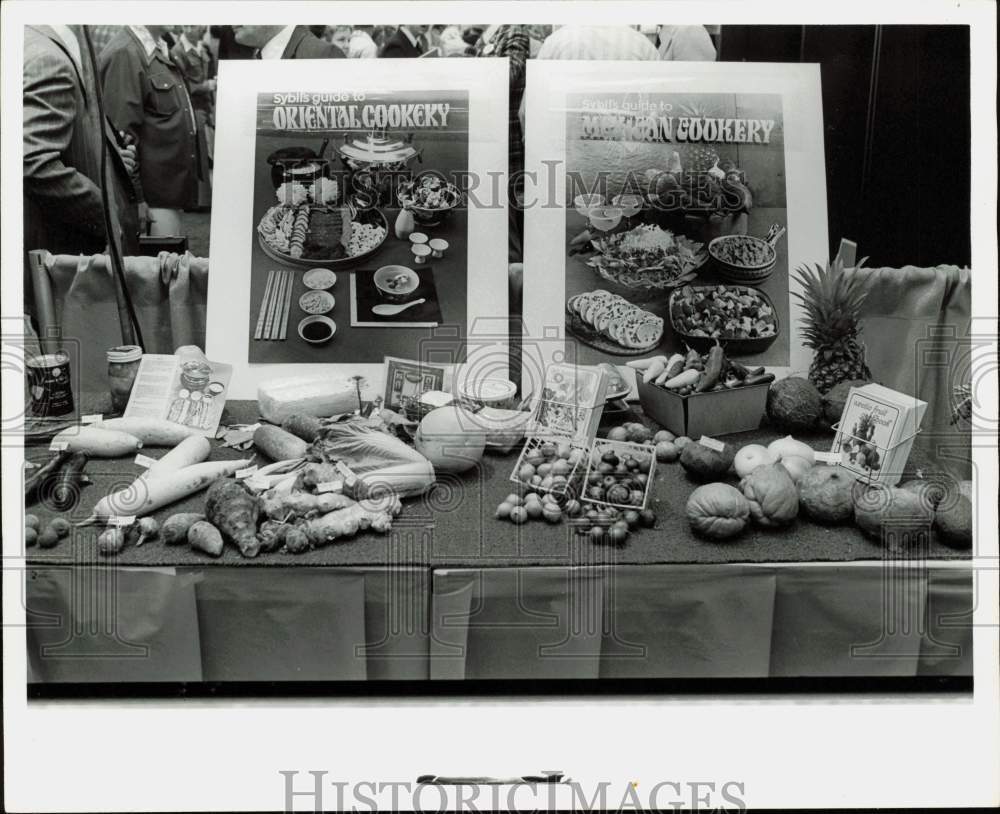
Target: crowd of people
[[155, 109]]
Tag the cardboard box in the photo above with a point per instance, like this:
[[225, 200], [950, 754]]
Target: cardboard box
[[717, 412]]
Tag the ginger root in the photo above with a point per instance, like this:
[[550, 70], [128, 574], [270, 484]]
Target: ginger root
[[347, 522]]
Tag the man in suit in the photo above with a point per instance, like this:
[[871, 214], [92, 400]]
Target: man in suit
[[62, 131], [286, 42], [408, 41], [146, 99]]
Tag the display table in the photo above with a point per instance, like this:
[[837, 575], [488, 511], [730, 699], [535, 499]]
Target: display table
[[434, 600]]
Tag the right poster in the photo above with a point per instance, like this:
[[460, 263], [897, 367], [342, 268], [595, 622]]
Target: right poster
[[684, 195]]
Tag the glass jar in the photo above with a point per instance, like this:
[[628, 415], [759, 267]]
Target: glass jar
[[123, 364], [195, 375]]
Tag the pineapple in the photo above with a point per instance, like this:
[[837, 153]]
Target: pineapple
[[832, 300]]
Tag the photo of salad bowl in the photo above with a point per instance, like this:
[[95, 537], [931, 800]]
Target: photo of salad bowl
[[429, 197]]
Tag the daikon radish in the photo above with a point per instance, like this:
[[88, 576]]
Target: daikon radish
[[156, 432], [279, 444], [146, 495], [190, 451], [98, 442]]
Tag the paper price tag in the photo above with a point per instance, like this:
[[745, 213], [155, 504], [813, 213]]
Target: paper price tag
[[330, 486], [122, 521], [93, 418], [59, 446], [144, 461], [712, 443], [345, 471], [241, 474], [831, 458]]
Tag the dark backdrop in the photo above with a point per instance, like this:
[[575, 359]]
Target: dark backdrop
[[897, 124]]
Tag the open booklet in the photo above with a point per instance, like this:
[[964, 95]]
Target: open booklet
[[185, 388]]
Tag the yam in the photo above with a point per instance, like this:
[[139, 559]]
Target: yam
[[203, 536], [175, 530], [278, 444]]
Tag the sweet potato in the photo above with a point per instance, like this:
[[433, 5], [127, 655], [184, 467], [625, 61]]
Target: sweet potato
[[296, 541], [234, 512], [205, 537], [277, 444], [346, 523], [279, 505], [175, 530], [306, 427], [111, 541], [272, 534]]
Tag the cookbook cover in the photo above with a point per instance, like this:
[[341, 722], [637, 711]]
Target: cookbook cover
[[876, 432], [355, 200], [684, 193]]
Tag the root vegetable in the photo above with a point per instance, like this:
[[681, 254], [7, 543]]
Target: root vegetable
[[147, 529], [61, 527], [346, 523], [157, 432], [272, 534], [203, 536], [306, 427], [48, 539], [175, 529], [315, 474], [31, 521], [189, 451], [234, 512], [146, 495], [296, 541], [278, 444], [111, 541], [30, 536], [279, 505], [97, 442]]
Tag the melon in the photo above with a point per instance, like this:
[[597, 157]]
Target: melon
[[451, 438]]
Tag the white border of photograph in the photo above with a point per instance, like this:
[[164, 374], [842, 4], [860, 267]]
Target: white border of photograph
[[548, 85], [232, 232]]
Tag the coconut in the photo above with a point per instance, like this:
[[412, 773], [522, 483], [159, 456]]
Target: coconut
[[794, 404], [895, 516], [836, 398], [953, 522], [826, 494], [704, 464]]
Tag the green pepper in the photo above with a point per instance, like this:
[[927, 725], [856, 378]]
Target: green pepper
[[738, 369], [760, 378], [713, 369]]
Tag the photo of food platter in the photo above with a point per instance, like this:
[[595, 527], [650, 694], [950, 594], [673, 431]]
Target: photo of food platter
[[675, 243], [357, 254]]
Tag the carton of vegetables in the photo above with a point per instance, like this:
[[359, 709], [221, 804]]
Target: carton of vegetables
[[697, 394], [619, 474], [563, 425]]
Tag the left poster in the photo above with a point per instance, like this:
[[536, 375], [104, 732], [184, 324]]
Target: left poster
[[314, 268]]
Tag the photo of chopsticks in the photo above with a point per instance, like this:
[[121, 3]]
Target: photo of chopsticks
[[272, 319]]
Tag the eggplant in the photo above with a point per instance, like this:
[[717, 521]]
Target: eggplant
[[66, 492]]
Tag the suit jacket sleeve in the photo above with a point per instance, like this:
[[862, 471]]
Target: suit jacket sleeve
[[516, 49], [50, 114], [392, 50]]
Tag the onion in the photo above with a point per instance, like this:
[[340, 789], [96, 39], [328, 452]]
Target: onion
[[788, 447]]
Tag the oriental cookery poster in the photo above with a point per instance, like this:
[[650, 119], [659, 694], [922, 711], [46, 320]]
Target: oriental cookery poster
[[353, 205], [360, 229]]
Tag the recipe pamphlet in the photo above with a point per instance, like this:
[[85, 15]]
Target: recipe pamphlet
[[183, 388]]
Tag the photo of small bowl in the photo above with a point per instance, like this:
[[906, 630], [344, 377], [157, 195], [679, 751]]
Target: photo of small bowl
[[317, 329], [417, 238], [421, 251], [317, 302], [587, 201], [319, 279], [438, 247], [396, 283]]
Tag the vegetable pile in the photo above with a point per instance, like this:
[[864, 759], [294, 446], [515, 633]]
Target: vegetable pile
[[686, 374], [742, 250], [722, 312]]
